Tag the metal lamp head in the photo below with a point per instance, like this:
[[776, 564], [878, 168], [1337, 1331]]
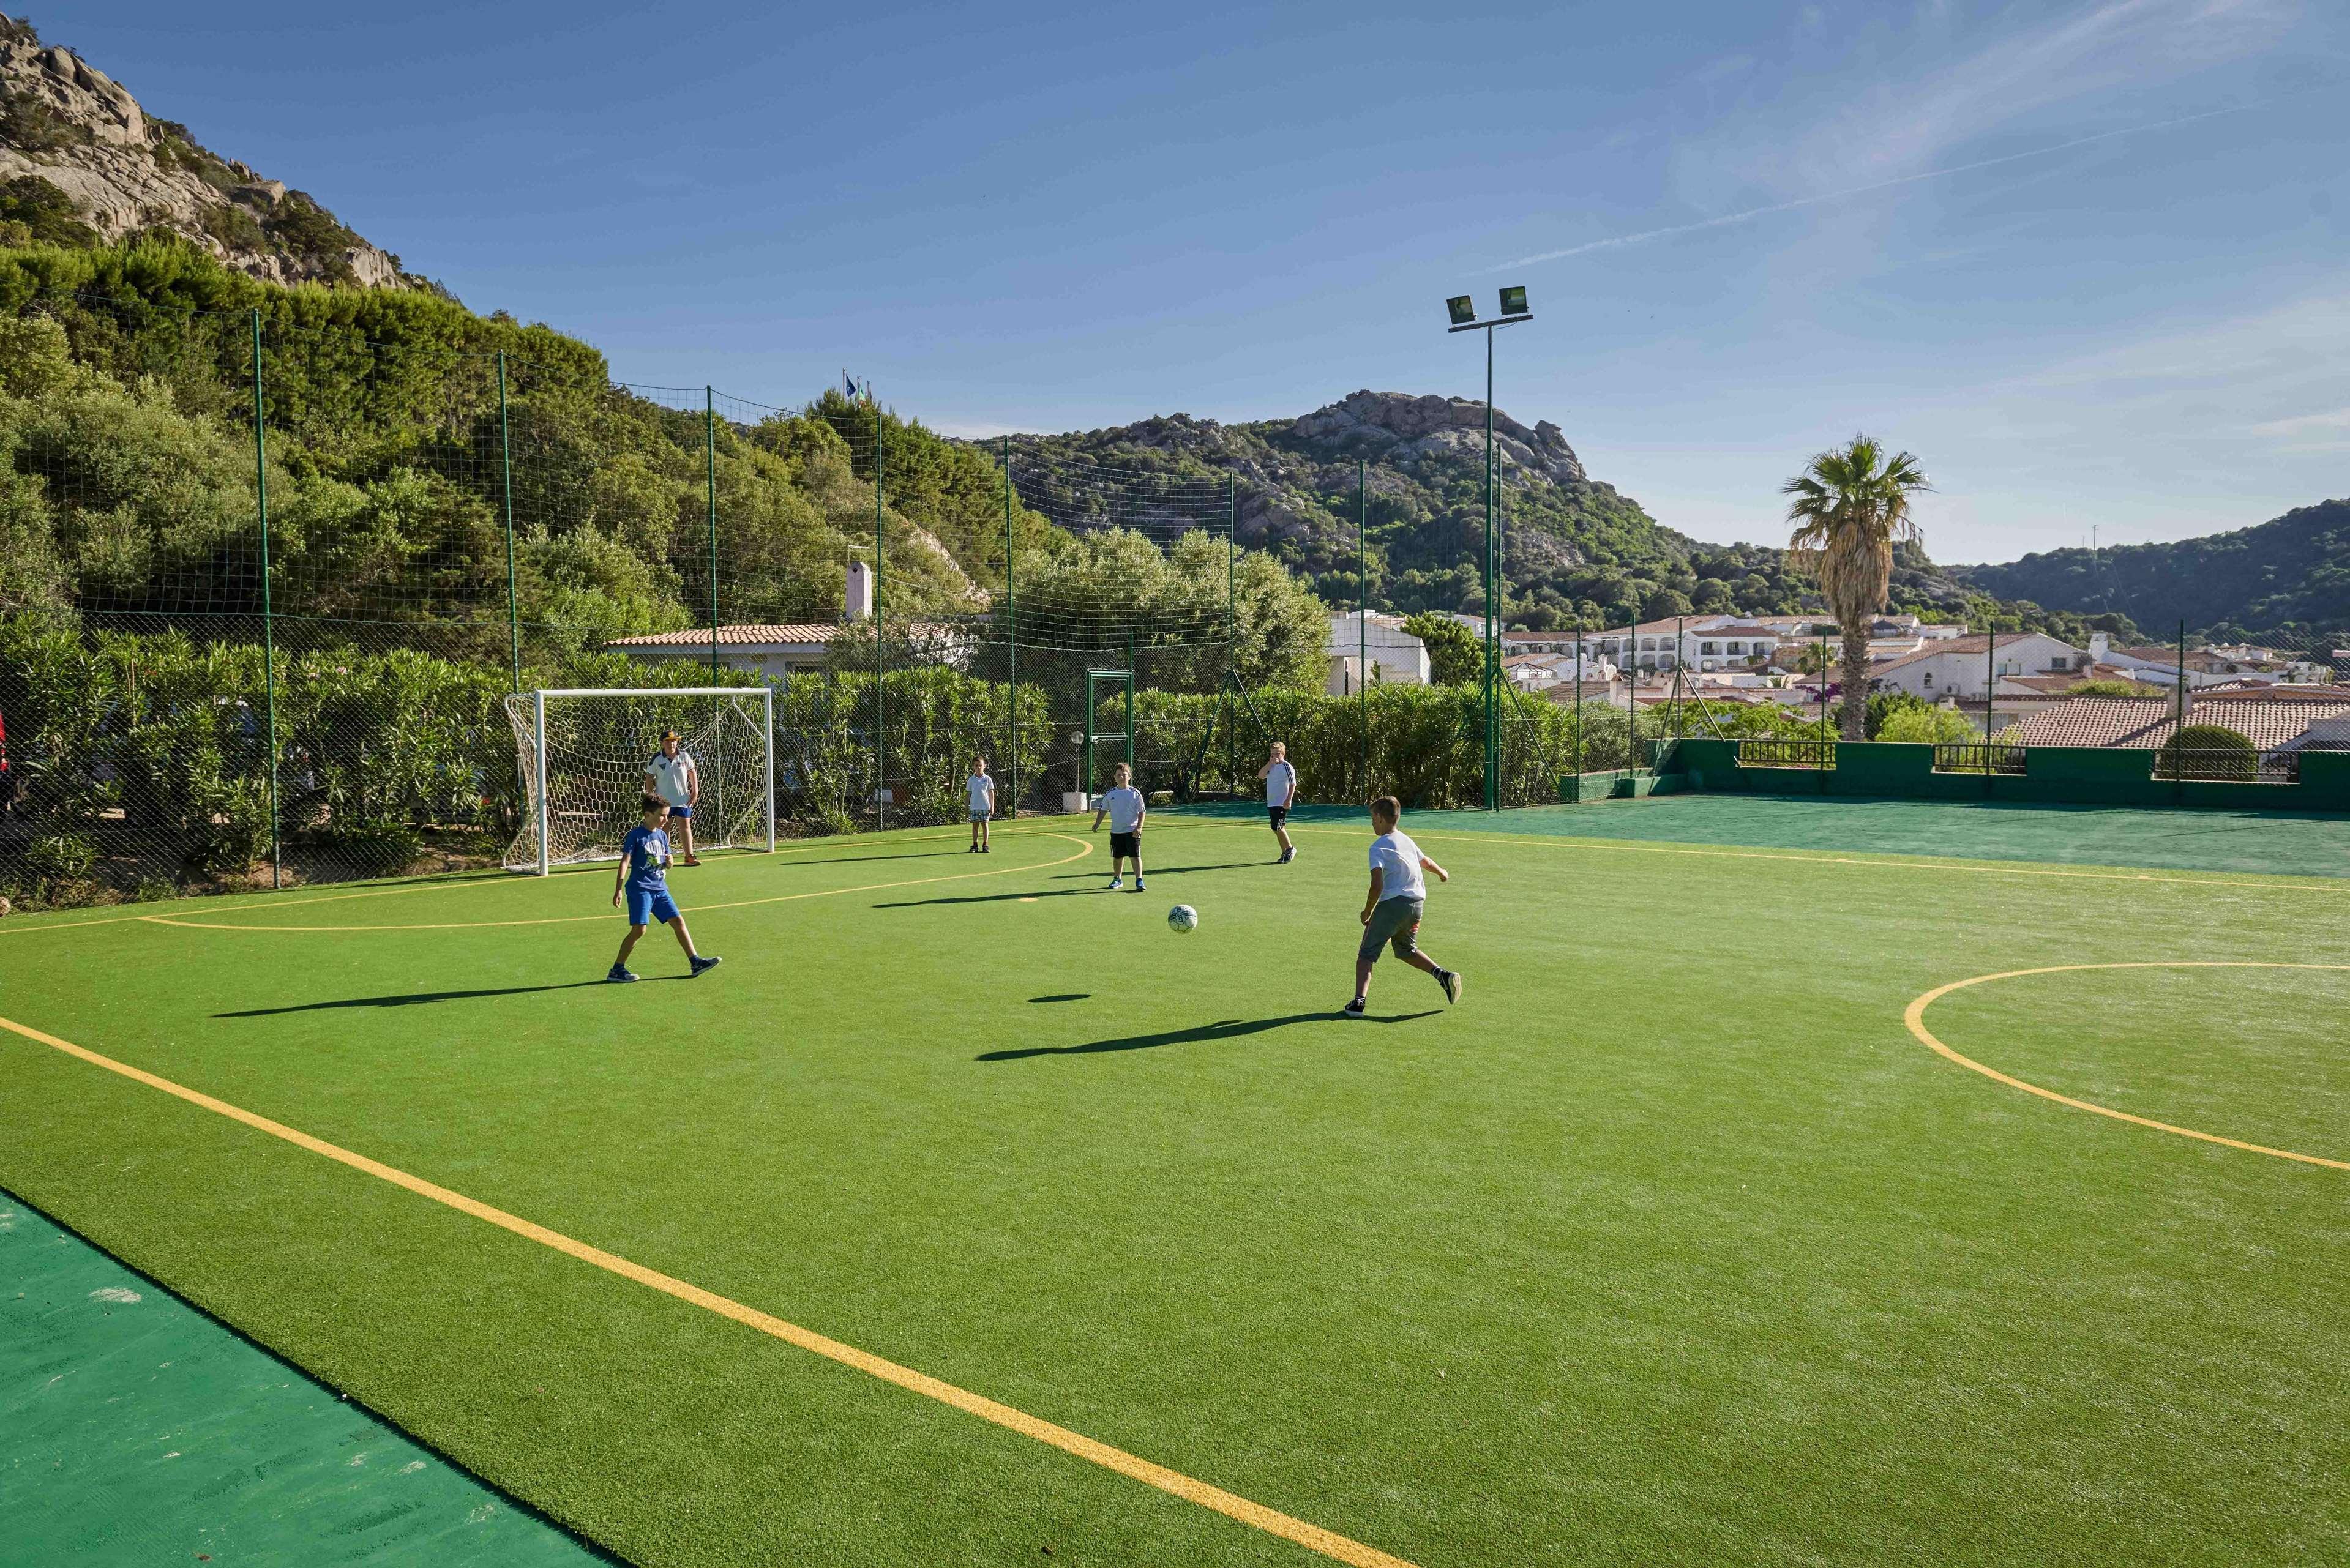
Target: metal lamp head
[[1463, 309], [1513, 302]]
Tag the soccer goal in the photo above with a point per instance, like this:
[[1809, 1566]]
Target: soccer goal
[[581, 757]]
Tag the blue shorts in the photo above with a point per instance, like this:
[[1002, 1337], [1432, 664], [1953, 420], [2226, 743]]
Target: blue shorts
[[647, 905], [681, 812]]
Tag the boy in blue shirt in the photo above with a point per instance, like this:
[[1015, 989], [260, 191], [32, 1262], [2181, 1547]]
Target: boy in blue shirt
[[643, 877]]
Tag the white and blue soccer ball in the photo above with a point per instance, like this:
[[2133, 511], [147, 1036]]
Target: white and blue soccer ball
[[1182, 919]]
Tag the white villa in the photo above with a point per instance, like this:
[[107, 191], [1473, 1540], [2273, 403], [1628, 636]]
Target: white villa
[[1395, 656]]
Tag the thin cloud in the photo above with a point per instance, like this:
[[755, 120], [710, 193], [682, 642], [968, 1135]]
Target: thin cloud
[[1750, 214], [2305, 424]]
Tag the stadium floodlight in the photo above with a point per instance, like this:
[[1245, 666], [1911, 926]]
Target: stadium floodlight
[[1514, 309]]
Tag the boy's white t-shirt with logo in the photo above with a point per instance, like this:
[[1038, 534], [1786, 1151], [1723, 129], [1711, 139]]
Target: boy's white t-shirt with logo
[[1399, 858], [1279, 779], [672, 777], [982, 792], [1124, 803]]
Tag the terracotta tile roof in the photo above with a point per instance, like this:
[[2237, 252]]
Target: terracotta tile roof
[[797, 634], [735, 635], [2148, 722]]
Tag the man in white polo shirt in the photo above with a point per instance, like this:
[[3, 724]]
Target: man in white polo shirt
[[671, 776]]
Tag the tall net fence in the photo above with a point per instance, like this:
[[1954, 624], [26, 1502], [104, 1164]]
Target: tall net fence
[[271, 577]]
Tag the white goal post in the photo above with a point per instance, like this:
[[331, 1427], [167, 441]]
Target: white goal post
[[581, 755]]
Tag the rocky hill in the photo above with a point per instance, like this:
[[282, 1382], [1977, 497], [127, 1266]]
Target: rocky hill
[[82, 163], [1573, 546]]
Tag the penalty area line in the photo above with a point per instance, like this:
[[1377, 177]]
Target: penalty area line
[[1175, 1483]]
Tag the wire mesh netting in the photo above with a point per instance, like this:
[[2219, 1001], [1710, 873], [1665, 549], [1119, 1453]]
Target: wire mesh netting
[[271, 577], [587, 761]]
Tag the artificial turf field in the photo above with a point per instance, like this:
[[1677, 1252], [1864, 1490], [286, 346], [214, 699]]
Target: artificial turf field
[[1673, 1242]]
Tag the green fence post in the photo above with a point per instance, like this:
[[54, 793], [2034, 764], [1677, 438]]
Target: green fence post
[[881, 709], [1363, 620], [1012, 625], [1129, 699], [505, 468], [709, 492], [269, 630], [1578, 715], [1232, 622]]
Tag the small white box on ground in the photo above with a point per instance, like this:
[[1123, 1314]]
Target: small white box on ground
[[1074, 802]]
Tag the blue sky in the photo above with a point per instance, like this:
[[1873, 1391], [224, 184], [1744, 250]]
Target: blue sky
[[2091, 261]]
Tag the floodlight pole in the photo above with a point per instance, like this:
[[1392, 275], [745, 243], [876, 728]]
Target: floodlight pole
[[1493, 572]]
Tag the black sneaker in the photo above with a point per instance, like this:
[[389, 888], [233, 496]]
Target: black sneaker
[[1353, 1009], [1286, 857], [1448, 980], [702, 966], [619, 976]]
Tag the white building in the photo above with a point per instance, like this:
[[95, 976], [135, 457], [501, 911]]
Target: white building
[[1962, 667], [1397, 657]]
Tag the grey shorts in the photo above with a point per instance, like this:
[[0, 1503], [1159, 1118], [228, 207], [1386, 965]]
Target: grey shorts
[[1396, 923]]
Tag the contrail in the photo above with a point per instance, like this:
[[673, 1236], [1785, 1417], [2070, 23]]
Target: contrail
[[1752, 212]]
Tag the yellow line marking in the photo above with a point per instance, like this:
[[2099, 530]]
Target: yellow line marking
[[1084, 849], [1313, 1537], [1917, 863], [1915, 1017]]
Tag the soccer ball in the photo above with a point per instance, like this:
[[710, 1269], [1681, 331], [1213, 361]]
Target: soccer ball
[[1181, 918]]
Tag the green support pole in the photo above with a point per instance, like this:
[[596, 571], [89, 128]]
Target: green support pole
[[269, 630], [505, 468], [1012, 628], [1578, 715], [1129, 699], [1493, 657], [1991, 698], [1232, 622], [2183, 679], [710, 493], [1363, 621], [880, 711]]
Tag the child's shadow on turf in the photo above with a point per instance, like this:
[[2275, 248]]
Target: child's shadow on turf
[[413, 997], [1223, 1029]]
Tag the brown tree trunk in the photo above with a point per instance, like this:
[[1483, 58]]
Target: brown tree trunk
[[1855, 680]]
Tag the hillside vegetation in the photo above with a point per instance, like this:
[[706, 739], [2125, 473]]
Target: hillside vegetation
[[2283, 581]]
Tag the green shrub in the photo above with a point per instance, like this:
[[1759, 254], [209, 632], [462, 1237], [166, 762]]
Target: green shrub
[[60, 860], [371, 847], [2210, 751]]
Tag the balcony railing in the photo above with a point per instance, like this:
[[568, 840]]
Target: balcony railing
[[2220, 766], [1980, 757], [1786, 753]]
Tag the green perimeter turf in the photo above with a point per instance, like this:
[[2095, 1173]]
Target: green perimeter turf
[[1668, 1244], [2279, 842], [135, 1429]]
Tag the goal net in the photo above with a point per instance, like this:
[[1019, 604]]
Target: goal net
[[581, 757]]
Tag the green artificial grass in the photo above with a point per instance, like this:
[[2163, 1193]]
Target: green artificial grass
[[1669, 1243]]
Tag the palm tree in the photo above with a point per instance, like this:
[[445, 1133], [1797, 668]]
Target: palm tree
[[1851, 506]]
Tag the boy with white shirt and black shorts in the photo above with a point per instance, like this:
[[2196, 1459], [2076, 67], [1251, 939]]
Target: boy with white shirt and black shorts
[[1391, 910], [1280, 776], [1122, 803], [982, 790]]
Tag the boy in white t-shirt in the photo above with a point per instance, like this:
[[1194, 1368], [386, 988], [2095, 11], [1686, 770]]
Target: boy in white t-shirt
[[671, 775], [982, 790], [1122, 803], [1280, 776], [1392, 910]]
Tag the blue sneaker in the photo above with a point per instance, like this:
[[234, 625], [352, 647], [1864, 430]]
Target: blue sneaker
[[619, 976], [702, 966]]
